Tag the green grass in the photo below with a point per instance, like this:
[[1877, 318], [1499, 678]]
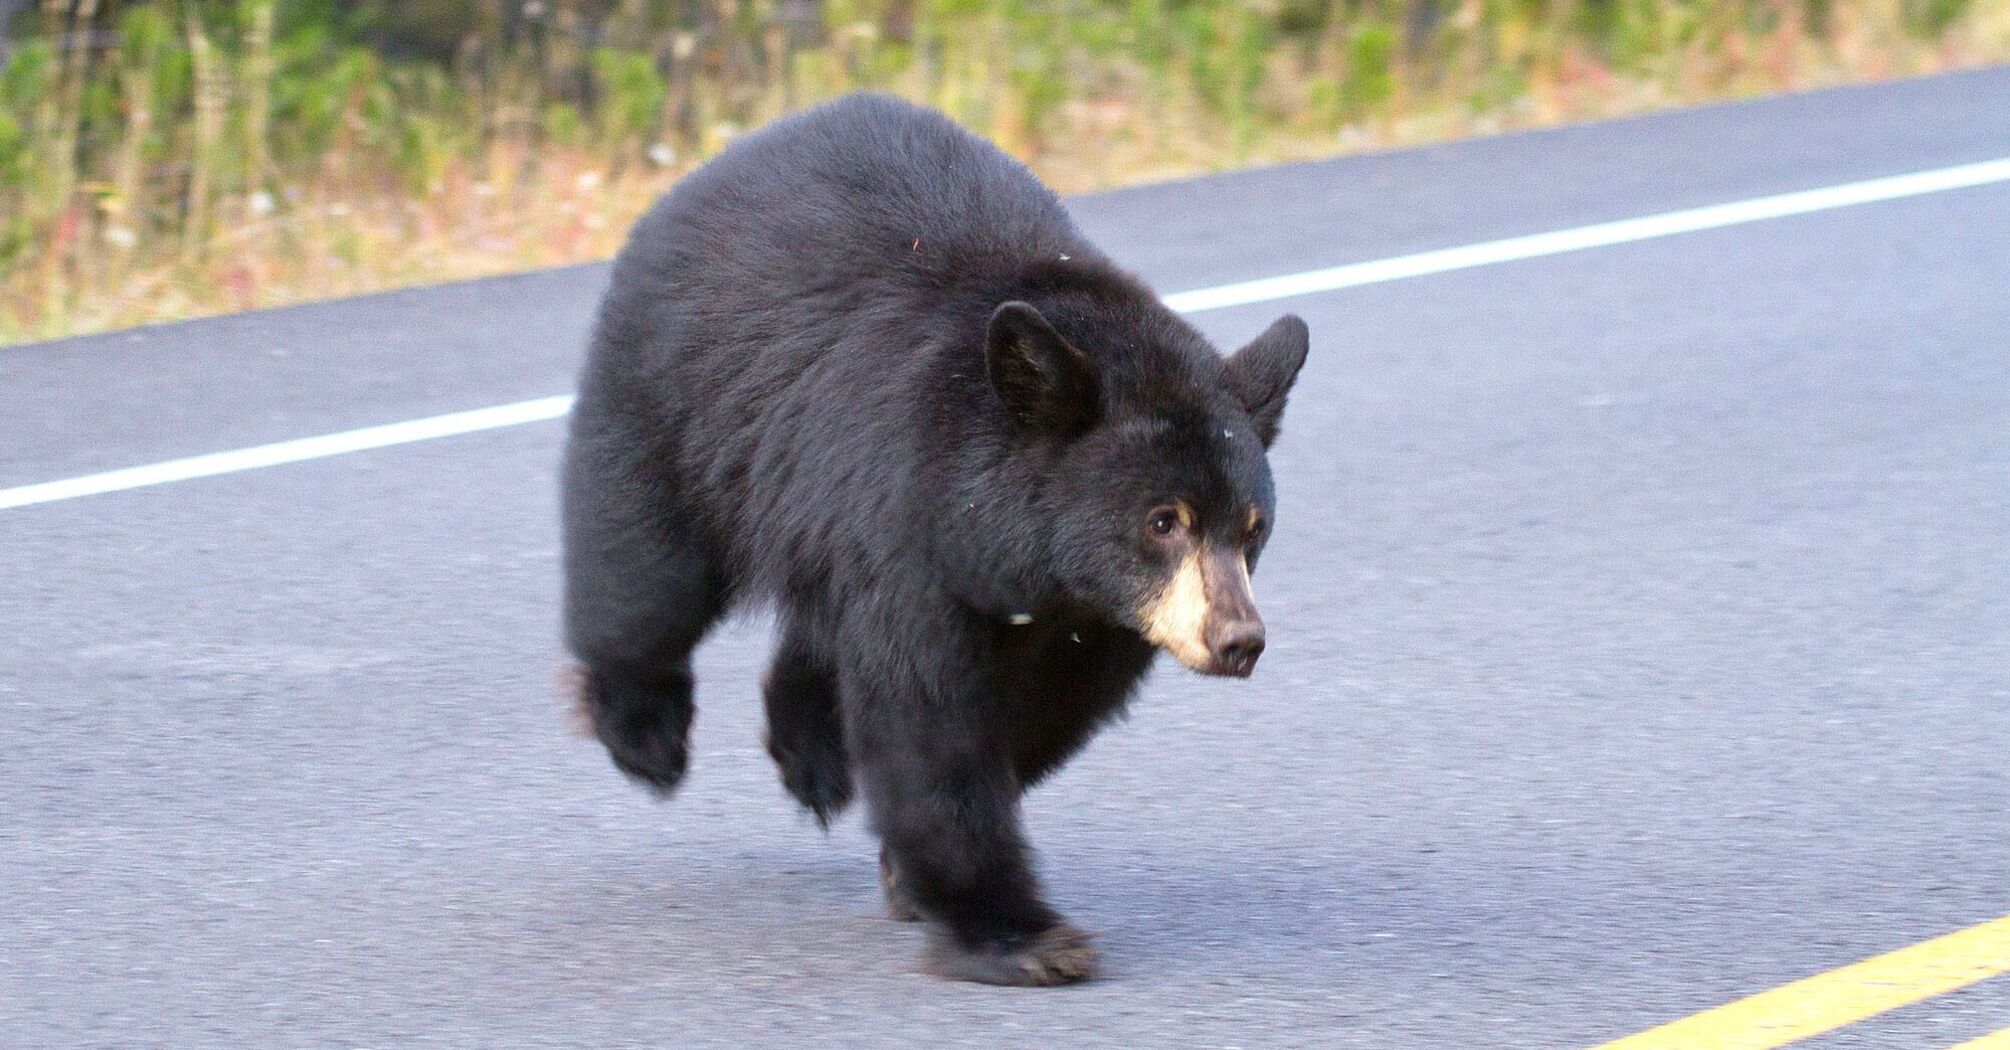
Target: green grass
[[161, 160]]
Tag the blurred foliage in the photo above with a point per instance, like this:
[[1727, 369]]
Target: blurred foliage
[[161, 159]]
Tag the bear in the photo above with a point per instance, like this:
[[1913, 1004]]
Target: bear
[[862, 368]]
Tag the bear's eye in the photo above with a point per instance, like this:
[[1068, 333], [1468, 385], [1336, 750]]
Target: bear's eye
[[1163, 521]]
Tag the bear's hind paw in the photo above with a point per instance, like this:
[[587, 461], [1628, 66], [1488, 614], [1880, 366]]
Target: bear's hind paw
[[1060, 954]]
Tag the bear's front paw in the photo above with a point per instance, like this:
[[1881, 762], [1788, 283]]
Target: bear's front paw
[[1060, 954], [645, 726]]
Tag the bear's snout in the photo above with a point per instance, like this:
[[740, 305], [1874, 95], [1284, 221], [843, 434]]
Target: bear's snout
[[1235, 645], [1232, 629], [1206, 617]]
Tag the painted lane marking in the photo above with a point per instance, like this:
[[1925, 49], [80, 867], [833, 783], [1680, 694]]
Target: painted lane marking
[[1240, 293], [294, 451], [1827, 1001], [1597, 235]]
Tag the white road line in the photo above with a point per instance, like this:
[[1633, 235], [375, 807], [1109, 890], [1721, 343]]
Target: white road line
[[317, 447], [1240, 293], [1597, 235]]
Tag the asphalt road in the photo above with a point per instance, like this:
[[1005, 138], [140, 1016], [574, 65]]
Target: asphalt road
[[1640, 639]]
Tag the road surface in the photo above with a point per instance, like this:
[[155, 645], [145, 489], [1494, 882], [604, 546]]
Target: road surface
[[1640, 640]]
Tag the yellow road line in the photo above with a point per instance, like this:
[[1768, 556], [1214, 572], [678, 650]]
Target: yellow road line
[[1830, 1000], [1993, 1041]]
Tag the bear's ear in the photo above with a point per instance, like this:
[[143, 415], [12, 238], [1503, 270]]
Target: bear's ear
[[1260, 374], [1045, 382]]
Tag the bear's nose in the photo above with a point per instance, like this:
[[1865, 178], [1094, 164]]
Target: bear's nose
[[1237, 646]]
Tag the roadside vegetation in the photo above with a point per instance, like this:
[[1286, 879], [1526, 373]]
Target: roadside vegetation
[[169, 159]]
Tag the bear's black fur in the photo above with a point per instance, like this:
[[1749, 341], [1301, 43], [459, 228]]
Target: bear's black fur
[[863, 365]]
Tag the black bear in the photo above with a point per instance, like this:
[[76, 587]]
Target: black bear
[[863, 365]]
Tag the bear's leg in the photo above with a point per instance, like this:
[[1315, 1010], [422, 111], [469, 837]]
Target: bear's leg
[[805, 734], [946, 806], [641, 590]]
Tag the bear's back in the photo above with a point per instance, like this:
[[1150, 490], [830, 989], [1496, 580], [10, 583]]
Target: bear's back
[[864, 204]]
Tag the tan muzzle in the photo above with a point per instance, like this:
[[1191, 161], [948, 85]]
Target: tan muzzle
[[1206, 616]]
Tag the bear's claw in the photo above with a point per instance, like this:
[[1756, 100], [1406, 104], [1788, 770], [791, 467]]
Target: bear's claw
[[819, 777]]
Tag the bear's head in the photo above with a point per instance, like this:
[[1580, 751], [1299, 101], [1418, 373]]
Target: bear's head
[[1159, 494]]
